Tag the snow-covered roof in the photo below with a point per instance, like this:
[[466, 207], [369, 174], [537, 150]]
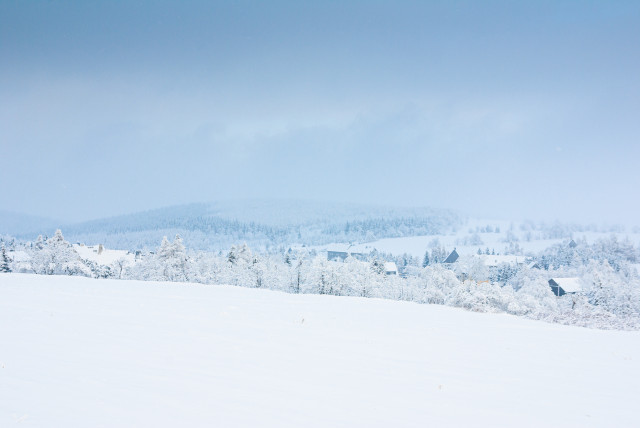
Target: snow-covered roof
[[106, 257], [493, 260], [569, 285], [340, 248], [390, 267]]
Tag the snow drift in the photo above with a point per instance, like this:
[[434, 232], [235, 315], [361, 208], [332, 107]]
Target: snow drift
[[84, 352]]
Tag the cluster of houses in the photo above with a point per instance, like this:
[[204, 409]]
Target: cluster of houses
[[340, 254], [559, 286]]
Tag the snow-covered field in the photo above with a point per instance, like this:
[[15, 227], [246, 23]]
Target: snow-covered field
[[104, 257], [83, 352], [417, 245]]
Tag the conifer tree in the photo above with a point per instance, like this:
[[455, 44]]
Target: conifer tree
[[4, 260], [425, 260]]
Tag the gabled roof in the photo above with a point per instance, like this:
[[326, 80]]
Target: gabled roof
[[569, 285], [452, 257]]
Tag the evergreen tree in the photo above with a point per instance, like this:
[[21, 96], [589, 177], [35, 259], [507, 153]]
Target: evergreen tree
[[172, 260], [39, 244], [377, 266], [425, 260], [4, 260], [232, 257]]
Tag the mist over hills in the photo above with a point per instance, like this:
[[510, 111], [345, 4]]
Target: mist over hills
[[263, 224], [14, 223]]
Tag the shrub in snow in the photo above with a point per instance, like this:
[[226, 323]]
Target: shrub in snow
[[481, 297]]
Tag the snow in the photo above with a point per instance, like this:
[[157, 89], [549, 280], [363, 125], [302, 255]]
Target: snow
[[21, 261], [390, 267], [417, 245], [340, 248], [569, 285], [79, 352], [107, 256], [495, 260], [19, 256]]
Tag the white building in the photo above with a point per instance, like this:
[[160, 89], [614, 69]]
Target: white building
[[390, 268]]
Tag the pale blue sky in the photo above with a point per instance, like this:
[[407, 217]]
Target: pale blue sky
[[510, 109]]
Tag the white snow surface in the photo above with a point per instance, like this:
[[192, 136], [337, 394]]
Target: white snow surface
[[78, 352], [495, 260], [107, 256], [417, 245]]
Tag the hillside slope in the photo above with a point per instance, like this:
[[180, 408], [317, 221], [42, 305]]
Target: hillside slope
[[263, 224], [83, 352]]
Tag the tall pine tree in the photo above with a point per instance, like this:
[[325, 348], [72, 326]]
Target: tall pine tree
[[425, 261], [4, 260]]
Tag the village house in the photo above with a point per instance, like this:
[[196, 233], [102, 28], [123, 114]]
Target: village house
[[390, 268], [562, 286], [339, 253], [452, 258]]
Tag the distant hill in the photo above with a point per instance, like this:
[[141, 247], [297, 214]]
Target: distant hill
[[263, 224], [12, 223]]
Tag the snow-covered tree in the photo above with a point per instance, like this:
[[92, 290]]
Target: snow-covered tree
[[172, 260], [55, 256], [5, 266], [39, 244], [425, 259]]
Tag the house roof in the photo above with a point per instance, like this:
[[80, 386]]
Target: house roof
[[452, 257], [390, 267], [569, 285], [493, 260], [339, 248]]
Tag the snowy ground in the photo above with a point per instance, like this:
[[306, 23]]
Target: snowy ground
[[417, 245], [106, 257], [82, 352]]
